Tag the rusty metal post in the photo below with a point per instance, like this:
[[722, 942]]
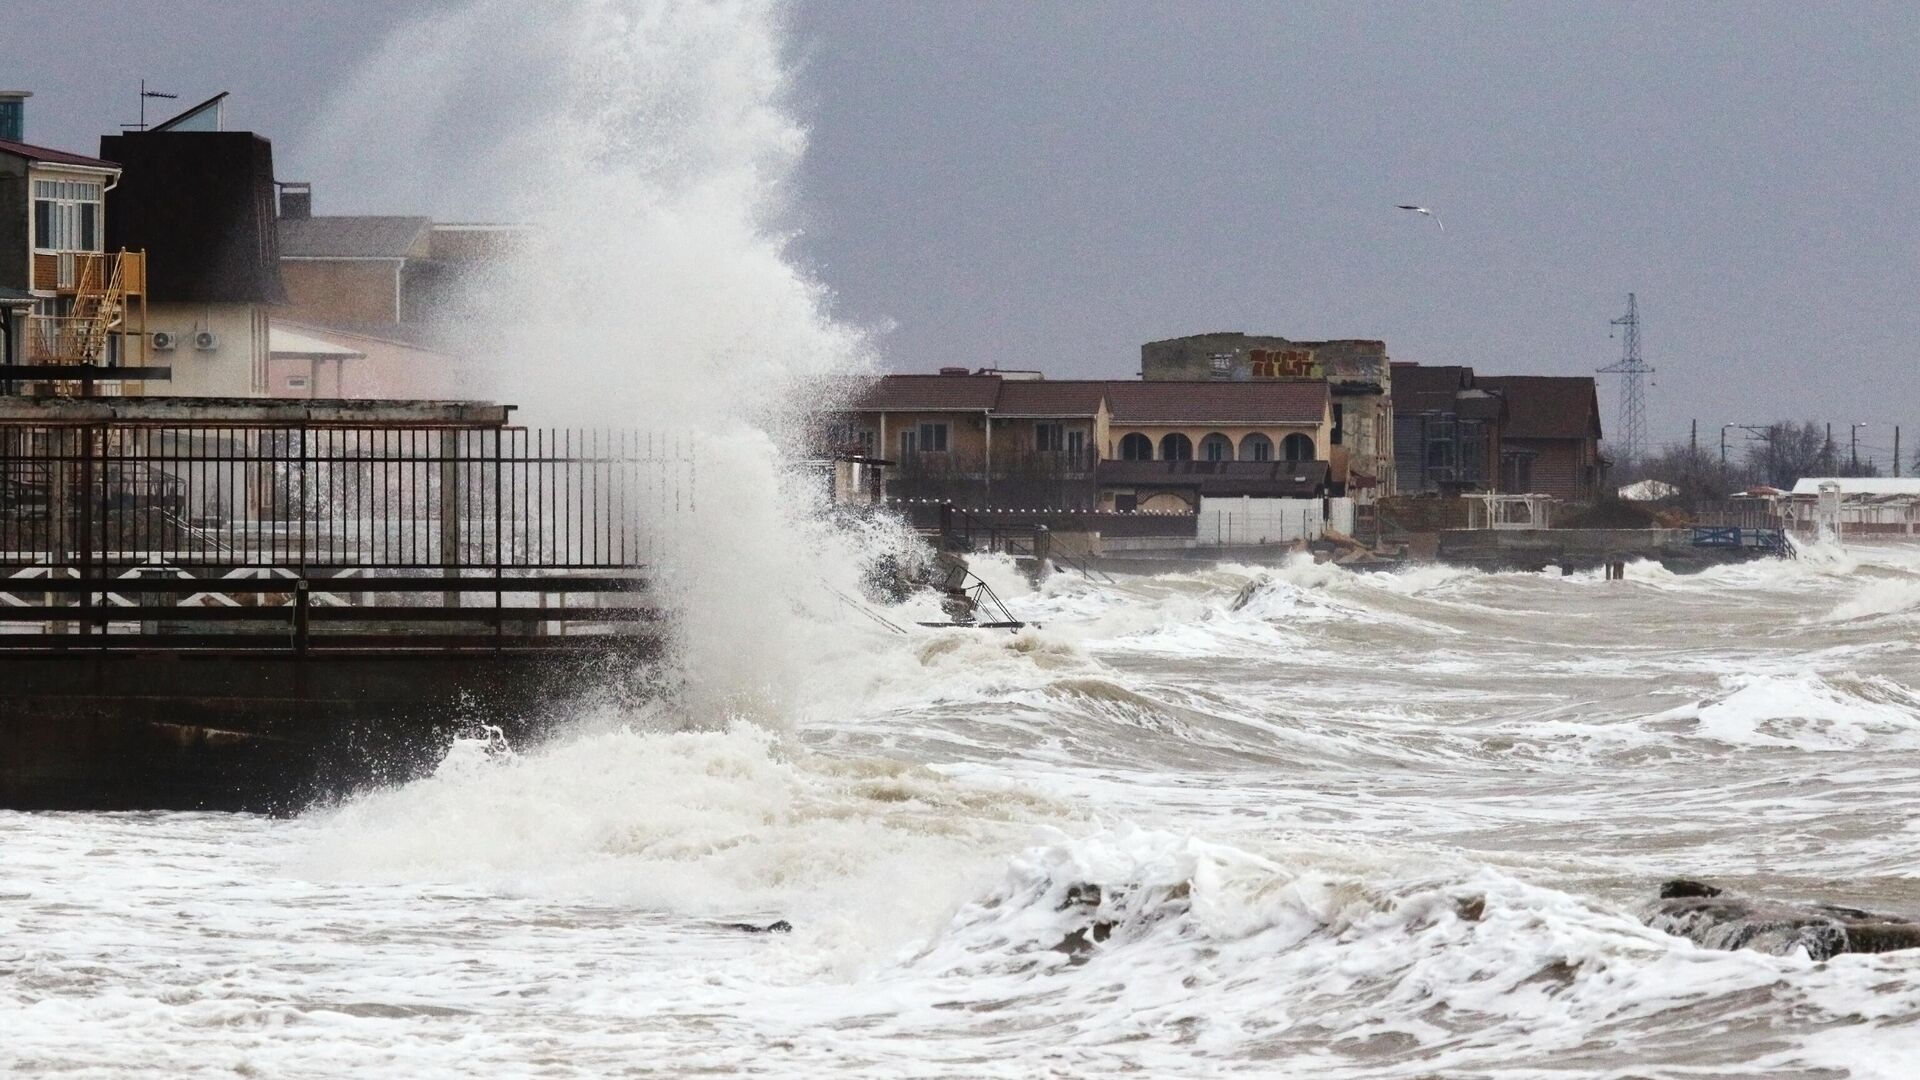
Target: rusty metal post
[[302, 609], [85, 539], [60, 513], [499, 536], [450, 512]]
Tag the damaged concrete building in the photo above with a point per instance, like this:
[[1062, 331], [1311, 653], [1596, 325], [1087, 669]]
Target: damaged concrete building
[[1357, 373]]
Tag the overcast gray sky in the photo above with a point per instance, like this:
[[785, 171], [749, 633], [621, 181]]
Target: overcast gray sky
[[1049, 185]]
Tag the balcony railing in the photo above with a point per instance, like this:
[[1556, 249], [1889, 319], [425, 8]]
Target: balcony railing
[[62, 340], [72, 271]]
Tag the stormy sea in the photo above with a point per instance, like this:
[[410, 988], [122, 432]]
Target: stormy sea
[[1238, 821], [1265, 822]]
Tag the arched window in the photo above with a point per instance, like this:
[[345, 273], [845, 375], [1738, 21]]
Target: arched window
[[1176, 447], [1297, 447], [1216, 447], [1136, 447], [1256, 447]]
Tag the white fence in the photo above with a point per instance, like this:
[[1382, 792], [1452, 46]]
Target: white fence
[[1246, 520]]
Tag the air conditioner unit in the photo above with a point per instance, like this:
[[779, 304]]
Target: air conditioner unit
[[206, 341], [165, 340]]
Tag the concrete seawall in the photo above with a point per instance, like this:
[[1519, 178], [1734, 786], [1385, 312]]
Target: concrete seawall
[[1580, 549], [273, 733]]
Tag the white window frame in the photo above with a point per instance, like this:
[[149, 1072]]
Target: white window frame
[[67, 198]]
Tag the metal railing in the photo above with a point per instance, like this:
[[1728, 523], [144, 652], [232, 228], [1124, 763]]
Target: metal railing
[[963, 531], [300, 538], [301, 615], [66, 271], [336, 497]]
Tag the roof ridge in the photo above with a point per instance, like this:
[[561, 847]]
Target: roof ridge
[[54, 155]]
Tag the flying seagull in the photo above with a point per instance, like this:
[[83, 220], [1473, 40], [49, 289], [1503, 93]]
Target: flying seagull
[[1429, 213]]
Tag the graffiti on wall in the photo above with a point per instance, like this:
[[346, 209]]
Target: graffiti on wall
[[1283, 364]]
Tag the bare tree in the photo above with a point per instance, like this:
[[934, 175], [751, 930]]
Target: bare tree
[[1785, 451], [1696, 474]]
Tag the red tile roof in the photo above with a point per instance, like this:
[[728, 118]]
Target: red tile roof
[[1547, 406], [1050, 397], [1419, 388], [1256, 402], [928, 393], [51, 156], [1169, 402]]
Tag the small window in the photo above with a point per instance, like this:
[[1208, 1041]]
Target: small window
[[909, 443], [1126, 502], [1176, 447], [845, 438], [1136, 447], [1297, 447], [933, 438], [1076, 444], [1049, 437], [1216, 447], [1256, 447], [1339, 423]]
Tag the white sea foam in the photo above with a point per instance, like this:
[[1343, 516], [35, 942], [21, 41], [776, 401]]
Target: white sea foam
[[1811, 712]]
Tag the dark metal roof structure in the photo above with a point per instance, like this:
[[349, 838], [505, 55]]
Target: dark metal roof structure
[[201, 204]]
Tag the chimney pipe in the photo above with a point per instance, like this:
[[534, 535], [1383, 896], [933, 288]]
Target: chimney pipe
[[13, 114], [296, 200]]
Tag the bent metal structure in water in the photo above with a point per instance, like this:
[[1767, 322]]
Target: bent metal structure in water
[[247, 604]]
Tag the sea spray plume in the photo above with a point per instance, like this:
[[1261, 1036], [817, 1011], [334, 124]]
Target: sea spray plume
[[657, 294]]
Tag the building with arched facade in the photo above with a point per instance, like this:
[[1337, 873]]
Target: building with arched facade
[[1013, 439], [1210, 421]]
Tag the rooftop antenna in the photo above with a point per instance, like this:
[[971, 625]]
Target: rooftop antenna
[[144, 95], [1633, 395]]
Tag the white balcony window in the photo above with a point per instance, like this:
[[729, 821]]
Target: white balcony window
[[66, 215]]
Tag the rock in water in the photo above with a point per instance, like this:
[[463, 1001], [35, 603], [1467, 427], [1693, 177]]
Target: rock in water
[[1709, 917]]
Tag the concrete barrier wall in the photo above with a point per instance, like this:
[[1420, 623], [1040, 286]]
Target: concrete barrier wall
[[1247, 520]]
